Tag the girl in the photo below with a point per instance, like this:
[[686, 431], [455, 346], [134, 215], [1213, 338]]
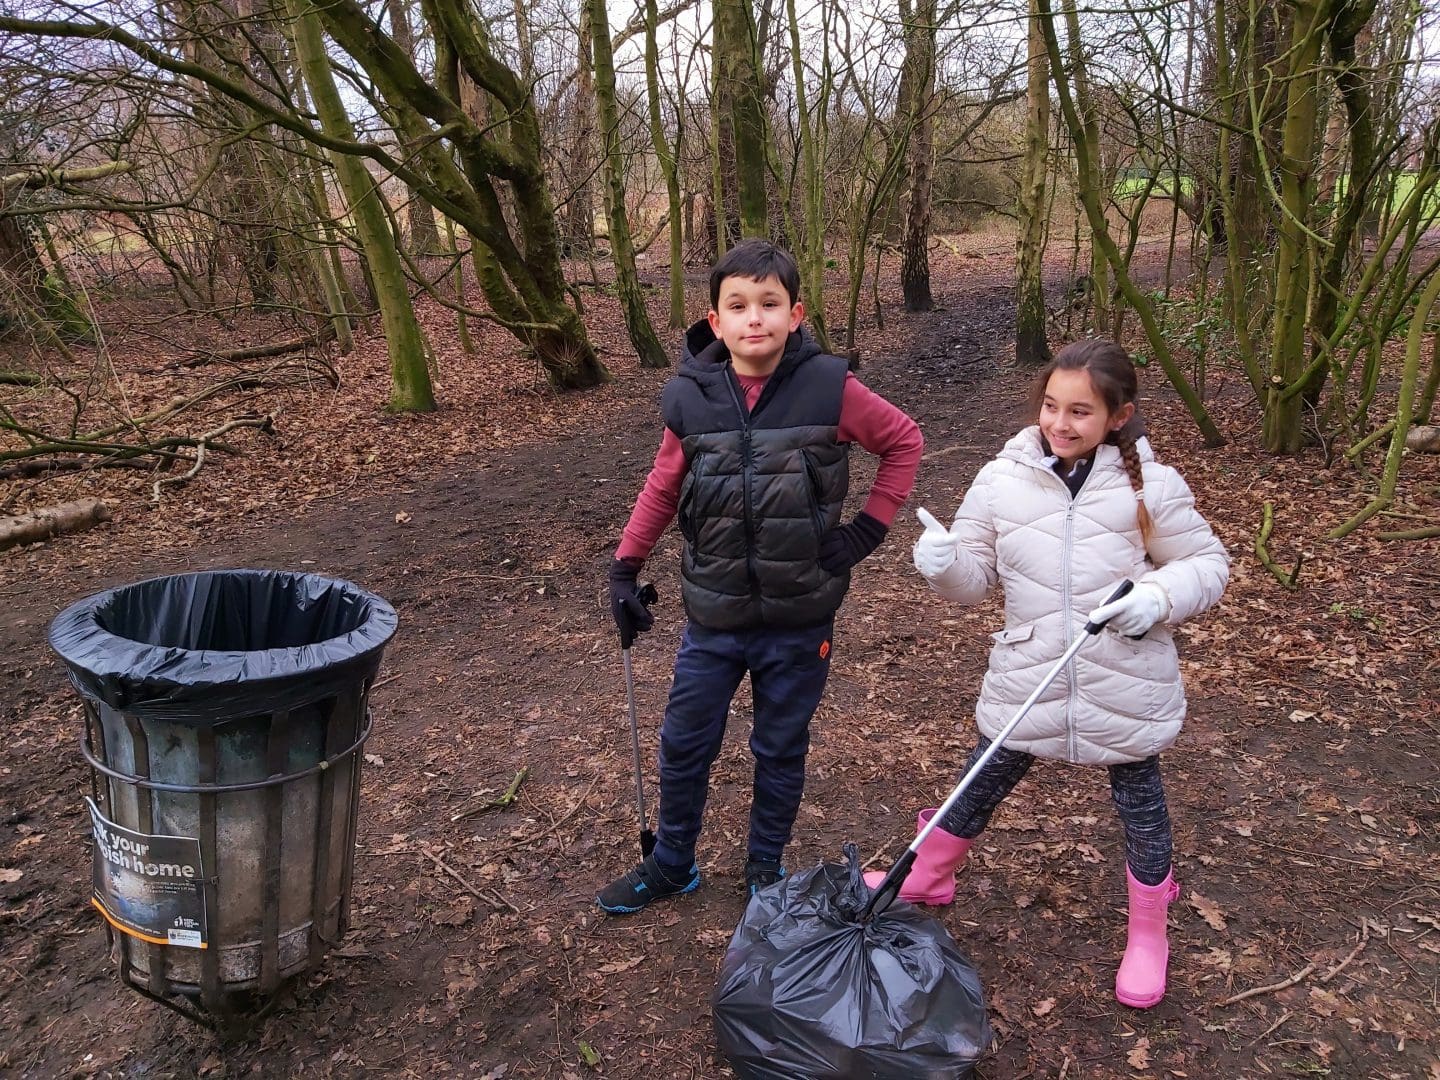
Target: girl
[[1068, 509]]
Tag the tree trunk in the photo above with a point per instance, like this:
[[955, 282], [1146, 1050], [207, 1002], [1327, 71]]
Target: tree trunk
[[1096, 180], [810, 251], [1032, 346], [1283, 424], [666, 156], [622, 249], [920, 60], [1354, 93], [1236, 191], [579, 227], [410, 389], [738, 70], [419, 214]]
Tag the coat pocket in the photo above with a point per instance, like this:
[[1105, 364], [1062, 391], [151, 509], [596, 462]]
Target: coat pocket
[[1013, 635], [1012, 652]]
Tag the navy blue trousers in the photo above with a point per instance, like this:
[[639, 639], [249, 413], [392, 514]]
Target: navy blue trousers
[[787, 671]]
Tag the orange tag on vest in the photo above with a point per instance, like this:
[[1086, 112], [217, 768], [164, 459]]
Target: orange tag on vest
[[824, 649]]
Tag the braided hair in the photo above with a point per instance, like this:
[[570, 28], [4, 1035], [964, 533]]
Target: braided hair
[[1112, 374]]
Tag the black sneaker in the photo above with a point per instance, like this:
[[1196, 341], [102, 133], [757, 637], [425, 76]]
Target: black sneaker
[[648, 881], [762, 872]]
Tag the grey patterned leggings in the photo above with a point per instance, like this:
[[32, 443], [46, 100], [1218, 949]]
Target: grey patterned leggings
[[1135, 787]]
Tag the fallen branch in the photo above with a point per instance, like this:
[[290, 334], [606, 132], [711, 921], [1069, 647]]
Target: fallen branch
[[42, 176], [1267, 522], [264, 423], [38, 467], [260, 352], [494, 804], [1283, 984], [1412, 534], [52, 521], [20, 378]]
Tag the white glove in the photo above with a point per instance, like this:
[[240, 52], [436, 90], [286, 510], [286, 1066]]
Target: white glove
[[1136, 612], [936, 550]]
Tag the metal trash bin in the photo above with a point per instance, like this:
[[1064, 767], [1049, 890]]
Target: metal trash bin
[[224, 718]]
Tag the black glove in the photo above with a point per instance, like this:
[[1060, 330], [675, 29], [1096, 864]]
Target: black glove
[[629, 602], [843, 547]]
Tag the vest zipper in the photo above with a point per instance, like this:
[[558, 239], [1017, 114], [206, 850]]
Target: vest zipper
[[747, 465]]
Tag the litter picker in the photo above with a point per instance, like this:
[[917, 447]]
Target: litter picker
[[888, 889], [648, 596]]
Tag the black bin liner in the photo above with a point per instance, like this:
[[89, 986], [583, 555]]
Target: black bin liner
[[197, 649], [809, 992]]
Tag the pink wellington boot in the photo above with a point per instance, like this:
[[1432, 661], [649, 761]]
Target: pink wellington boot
[[932, 876], [1140, 982]]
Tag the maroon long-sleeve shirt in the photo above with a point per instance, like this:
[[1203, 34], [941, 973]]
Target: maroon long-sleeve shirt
[[865, 418]]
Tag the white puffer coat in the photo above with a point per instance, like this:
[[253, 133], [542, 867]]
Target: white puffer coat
[[1058, 558]]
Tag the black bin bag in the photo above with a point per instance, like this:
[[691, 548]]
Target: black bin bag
[[809, 992]]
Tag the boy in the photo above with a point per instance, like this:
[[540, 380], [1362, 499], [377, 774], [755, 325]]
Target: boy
[[754, 459]]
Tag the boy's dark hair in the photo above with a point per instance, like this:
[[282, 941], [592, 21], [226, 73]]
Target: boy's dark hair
[[756, 259]]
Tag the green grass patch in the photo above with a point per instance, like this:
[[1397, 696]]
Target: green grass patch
[[1133, 185]]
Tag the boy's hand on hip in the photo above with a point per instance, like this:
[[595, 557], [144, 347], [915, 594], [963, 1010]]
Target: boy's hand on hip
[[844, 546], [936, 549], [1136, 612], [629, 601]]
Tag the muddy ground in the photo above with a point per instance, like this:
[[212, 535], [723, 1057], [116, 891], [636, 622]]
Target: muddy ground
[[1305, 790]]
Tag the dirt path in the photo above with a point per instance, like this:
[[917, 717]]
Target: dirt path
[[1298, 845]]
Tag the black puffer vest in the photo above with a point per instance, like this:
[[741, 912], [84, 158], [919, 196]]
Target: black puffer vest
[[761, 487]]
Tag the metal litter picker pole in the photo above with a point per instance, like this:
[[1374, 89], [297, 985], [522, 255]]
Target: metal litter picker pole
[[888, 889], [647, 838]]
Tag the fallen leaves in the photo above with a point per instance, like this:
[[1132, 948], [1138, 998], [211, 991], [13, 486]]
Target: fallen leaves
[[1208, 910], [617, 966], [1139, 1055]]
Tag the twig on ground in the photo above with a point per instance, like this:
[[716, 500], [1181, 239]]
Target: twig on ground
[[490, 898], [554, 825], [1364, 938], [882, 850], [1369, 864], [1286, 1015], [1256, 991], [504, 800], [495, 577], [949, 450]]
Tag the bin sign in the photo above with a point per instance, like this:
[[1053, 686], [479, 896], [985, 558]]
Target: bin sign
[[148, 886]]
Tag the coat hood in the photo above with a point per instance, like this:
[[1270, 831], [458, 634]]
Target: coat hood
[[704, 357]]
